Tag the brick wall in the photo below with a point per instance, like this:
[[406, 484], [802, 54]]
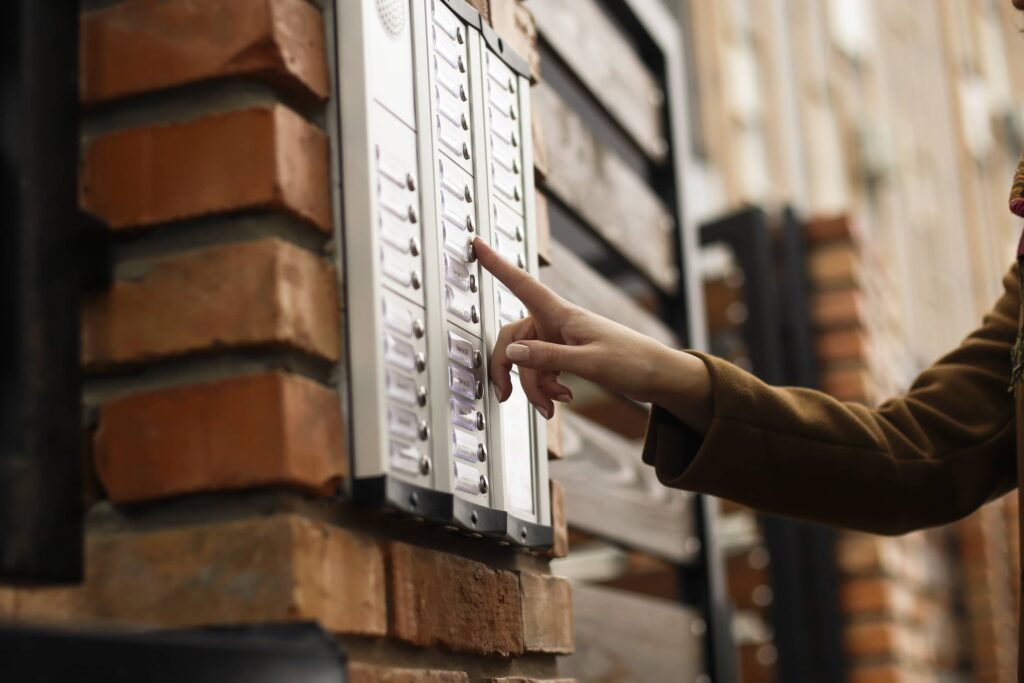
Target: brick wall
[[218, 438]]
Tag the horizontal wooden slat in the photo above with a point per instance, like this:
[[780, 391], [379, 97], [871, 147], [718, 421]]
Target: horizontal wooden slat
[[605, 192], [610, 493], [577, 282], [594, 47], [623, 637]]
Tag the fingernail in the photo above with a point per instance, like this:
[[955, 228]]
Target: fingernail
[[564, 398], [518, 352], [497, 392], [544, 411]]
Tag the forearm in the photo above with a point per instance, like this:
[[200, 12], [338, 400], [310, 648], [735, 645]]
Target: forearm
[[681, 385]]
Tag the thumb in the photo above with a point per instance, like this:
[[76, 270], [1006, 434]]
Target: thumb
[[545, 356]]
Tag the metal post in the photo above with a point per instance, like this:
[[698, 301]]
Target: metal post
[[40, 414]]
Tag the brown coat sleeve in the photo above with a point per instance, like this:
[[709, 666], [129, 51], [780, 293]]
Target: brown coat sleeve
[[928, 457]]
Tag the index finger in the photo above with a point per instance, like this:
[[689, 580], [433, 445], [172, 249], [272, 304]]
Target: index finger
[[534, 295]]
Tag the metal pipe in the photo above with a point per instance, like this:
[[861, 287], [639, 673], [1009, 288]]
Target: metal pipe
[[40, 411]]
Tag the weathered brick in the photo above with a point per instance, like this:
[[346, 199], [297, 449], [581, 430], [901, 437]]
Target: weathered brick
[[849, 384], [839, 308], [277, 569], [841, 345], [831, 229], [260, 158], [247, 431], [263, 293], [834, 266], [876, 596], [364, 673], [559, 521], [443, 599], [547, 613], [138, 47]]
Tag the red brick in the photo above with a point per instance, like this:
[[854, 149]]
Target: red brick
[[261, 158], [248, 431], [547, 613], [842, 345], [876, 596], [263, 293], [849, 384], [442, 599], [839, 308], [364, 673], [559, 521], [831, 229], [277, 569], [139, 47], [834, 266]]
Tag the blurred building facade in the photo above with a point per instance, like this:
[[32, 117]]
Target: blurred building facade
[[894, 128]]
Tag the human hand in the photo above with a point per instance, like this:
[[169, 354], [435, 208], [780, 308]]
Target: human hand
[[558, 336]]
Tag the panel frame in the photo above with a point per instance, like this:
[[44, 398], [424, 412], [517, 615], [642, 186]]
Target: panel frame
[[432, 494]]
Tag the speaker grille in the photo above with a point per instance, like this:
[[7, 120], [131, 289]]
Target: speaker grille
[[393, 15]]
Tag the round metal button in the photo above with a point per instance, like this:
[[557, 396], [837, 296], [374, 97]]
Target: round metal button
[[424, 465], [421, 362], [478, 359], [410, 182], [483, 483], [481, 453], [414, 278], [480, 422], [421, 396], [414, 246], [472, 282], [473, 314], [417, 328], [424, 431], [479, 391]]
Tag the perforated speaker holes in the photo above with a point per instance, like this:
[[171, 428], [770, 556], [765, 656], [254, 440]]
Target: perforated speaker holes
[[393, 15]]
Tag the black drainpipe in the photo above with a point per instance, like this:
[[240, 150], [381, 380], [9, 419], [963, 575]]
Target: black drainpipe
[[42, 239]]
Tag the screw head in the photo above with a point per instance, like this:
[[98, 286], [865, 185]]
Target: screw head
[[483, 483], [473, 518]]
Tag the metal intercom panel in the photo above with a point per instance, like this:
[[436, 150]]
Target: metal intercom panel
[[435, 149]]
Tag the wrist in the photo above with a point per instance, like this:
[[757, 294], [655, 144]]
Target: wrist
[[683, 388]]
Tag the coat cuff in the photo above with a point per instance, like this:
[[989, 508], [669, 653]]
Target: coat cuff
[[682, 458]]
